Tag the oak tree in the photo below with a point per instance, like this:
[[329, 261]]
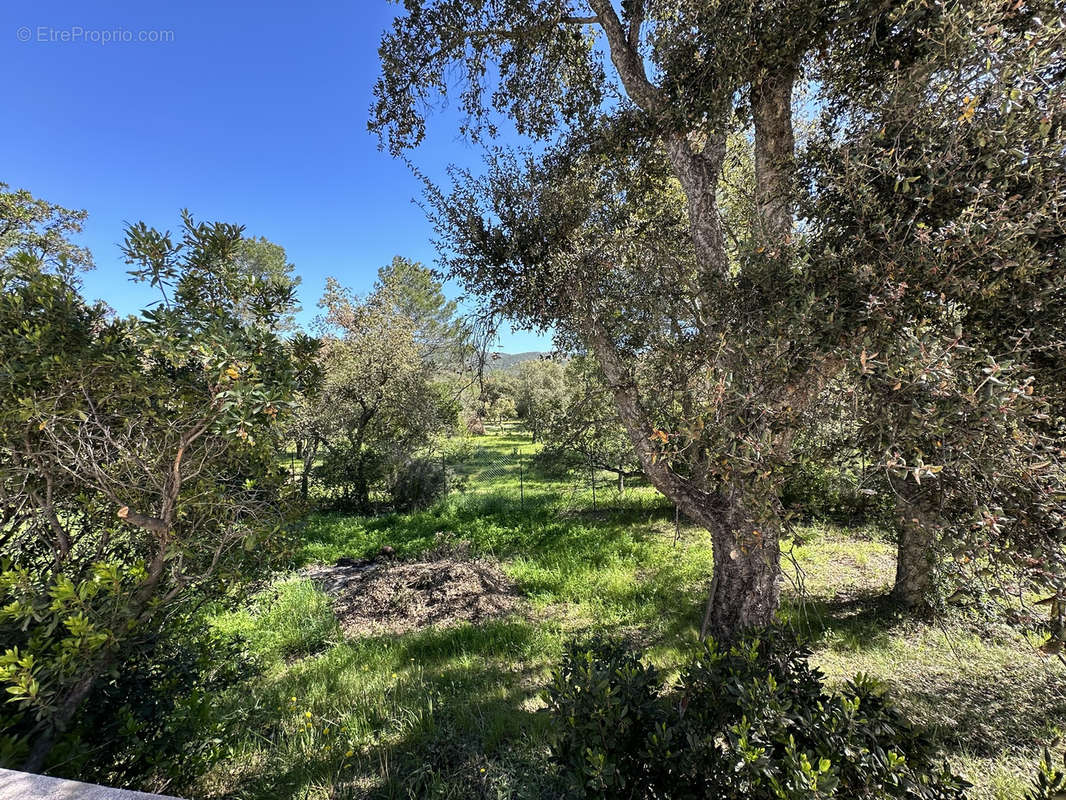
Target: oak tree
[[714, 342]]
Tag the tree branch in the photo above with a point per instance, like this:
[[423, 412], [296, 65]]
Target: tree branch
[[697, 503], [153, 524], [518, 33], [635, 21], [627, 61]]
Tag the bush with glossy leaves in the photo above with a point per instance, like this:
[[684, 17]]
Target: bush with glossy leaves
[[1050, 781], [751, 721]]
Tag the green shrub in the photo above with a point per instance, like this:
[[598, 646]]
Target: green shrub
[[607, 708], [165, 715], [160, 713], [753, 721], [457, 450], [1050, 781], [819, 491], [419, 483], [347, 476]]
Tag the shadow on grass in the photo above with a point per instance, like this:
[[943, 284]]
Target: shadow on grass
[[859, 620], [446, 712], [991, 712], [977, 697]]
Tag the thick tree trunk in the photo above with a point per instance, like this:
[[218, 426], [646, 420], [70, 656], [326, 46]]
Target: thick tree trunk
[[916, 540], [698, 174], [915, 558], [746, 584]]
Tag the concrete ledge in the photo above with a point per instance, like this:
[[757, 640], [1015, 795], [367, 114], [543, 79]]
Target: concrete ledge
[[26, 786]]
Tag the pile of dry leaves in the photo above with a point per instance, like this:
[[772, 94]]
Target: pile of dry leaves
[[446, 586]]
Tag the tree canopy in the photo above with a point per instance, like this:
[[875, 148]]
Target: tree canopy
[[715, 343], [136, 458]]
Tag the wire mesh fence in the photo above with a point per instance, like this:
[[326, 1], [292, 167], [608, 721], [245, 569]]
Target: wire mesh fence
[[501, 474], [513, 479]]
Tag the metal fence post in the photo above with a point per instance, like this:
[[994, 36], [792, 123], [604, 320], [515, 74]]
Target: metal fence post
[[521, 484], [592, 474]]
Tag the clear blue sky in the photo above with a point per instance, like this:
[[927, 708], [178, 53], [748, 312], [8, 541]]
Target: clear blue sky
[[252, 113]]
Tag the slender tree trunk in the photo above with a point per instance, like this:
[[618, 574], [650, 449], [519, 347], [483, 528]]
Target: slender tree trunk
[[362, 487], [310, 451]]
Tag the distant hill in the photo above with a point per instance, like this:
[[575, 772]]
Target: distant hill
[[507, 360]]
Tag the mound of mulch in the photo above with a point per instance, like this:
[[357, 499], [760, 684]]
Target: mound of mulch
[[382, 595]]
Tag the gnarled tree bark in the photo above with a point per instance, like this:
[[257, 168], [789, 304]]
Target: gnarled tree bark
[[915, 581], [745, 589]]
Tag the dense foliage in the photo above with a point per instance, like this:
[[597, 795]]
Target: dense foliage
[[949, 209], [750, 721], [164, 716], [136, 459], [581, 429]]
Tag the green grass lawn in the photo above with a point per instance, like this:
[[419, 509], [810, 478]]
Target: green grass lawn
[[454, 712]]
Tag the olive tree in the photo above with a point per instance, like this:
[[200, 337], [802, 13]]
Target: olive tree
[[670, 330], [949, 191]]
